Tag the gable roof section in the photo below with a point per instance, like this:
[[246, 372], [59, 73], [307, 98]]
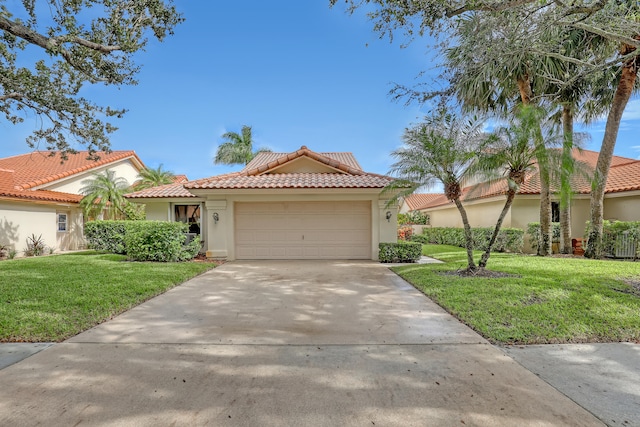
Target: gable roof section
[[40, 168], [20, 174], [258, 175], [624, 175], [265, 158]]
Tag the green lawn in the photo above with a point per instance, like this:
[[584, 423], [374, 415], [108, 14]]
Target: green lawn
[[52, 298], [549, 300]]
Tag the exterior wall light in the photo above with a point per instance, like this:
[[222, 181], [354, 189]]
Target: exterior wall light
[[388, 216], [216, 217]]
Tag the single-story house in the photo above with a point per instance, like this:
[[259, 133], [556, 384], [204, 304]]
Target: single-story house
[[299, 205], [484, 202], [40, 195]]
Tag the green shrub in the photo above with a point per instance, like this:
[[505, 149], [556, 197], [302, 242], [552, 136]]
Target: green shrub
[[533, 230], [159, 241], [414, 217], [612, 231], [508, 240], [106, 235], [400, 252]]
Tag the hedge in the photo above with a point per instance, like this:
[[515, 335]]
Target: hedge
[[143, 240], [400, 252], [612, 231], [533, 230], [508, 240], [107, 235]]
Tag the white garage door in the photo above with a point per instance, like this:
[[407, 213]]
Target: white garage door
[[303, 230]]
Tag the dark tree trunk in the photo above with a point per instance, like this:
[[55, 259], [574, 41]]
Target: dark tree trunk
[[511, 194], [565, 180], [620, 100], [468, 237]]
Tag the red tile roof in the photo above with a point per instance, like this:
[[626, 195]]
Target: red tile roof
[[39, 167], [416, 200], [292, 180], [169, 190], [180, 178], [268, 157], [262, 174], [20, 174], [624, 175]]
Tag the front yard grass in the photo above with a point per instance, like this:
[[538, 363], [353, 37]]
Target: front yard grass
[[545, 300], [52, 298]]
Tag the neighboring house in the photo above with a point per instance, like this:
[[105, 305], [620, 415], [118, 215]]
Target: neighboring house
[[40, 195], [299, 205], [484, 202]]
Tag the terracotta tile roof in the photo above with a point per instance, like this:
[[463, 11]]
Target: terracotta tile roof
[[262, 159], [20, 174], [261, 174], [291, 180], [180, 178], [39, 168], [169, 190], [417, 200], [40, 195], [624, 175]]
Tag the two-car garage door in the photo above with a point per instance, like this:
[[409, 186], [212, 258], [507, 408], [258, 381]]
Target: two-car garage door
[[303, 230]]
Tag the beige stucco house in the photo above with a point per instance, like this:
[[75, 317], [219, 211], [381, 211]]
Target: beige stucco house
[[299, 205], [484, 202], [40, 195]]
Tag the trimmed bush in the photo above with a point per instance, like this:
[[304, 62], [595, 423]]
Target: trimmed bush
[[160, 241], [106, 235], [614, 236], [400, 252], [143, 240], [508, 240], [414, 217]]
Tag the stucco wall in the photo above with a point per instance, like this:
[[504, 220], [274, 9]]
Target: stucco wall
[[479, 214], [622, 208], [158, 211], [19, 220], [124, 168]]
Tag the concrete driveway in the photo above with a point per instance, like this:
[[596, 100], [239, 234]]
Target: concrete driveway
[[289, 343]]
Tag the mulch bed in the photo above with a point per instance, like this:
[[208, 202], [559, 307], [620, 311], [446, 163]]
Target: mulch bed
[[481, 272]]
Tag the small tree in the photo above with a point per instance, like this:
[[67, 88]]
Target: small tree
[[104, 192], [439, 151]]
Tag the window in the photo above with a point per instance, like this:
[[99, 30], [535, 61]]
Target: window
[[555, 212], [62, 222], [189, 214]]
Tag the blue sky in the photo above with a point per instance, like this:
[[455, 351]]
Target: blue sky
[[298, 72]]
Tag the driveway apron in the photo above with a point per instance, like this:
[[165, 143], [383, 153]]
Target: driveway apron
[[282, 343]]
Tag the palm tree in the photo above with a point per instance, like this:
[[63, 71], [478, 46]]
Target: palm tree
[[439, 151], [148, 178], [104, 191], [491, 75], [510, 153], [238, 148]]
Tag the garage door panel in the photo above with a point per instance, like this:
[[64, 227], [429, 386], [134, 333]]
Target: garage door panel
[[303, 230]]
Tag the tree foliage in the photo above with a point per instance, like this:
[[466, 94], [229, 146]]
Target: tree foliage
[[439, 151], [50, 50], [105, 191], [148, 178], [237, 148]]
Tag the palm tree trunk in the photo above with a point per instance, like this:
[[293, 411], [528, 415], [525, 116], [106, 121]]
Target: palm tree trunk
[[468, 237], [565, 180], [620, 100], [544, 245], [511, 194]]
